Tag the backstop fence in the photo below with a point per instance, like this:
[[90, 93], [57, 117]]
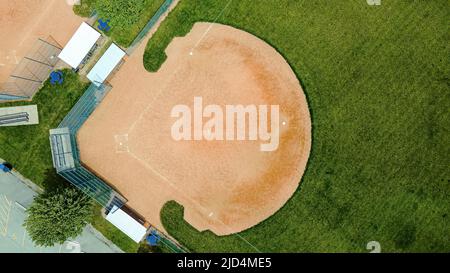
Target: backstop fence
[[29, 74], [65, 153], [84, 107], [66, 158]]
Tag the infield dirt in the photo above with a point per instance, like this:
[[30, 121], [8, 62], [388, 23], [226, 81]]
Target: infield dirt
[[225, 187]]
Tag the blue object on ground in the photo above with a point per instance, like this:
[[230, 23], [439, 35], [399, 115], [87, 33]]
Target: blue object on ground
[[56, 77], [4, 168], [153, 238], [103, 25]]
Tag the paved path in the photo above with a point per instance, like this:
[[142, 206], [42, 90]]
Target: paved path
[[15, 197]]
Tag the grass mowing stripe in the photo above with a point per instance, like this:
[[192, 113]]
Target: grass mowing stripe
[[377, 83]]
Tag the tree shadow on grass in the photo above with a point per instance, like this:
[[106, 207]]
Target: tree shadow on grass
[[53, 182]]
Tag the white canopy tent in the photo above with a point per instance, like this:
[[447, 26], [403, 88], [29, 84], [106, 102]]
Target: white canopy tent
[[126, 224], [79, 45], [106, 64]]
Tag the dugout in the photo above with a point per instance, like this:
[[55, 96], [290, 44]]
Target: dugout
[[126, 223], [106, 64], [31, 72], [79, 46]]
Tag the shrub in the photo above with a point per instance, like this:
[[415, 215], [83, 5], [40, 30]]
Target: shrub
[[57, 216]]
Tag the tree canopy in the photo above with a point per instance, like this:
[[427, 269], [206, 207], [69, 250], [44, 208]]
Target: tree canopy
[[57, 216]]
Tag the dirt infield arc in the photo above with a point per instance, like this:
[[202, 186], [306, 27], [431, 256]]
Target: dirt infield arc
[[225, 187]]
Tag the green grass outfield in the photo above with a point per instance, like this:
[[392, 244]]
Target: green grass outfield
[[376, 78]]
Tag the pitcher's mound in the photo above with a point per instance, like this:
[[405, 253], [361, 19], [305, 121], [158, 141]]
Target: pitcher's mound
[[224, 186]]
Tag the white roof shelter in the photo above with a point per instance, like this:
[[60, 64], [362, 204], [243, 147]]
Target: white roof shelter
[[110, 59], [79, 45], [126, 224]]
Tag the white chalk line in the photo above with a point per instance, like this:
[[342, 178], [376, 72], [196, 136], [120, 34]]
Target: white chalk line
[[148, 166], [195, 202], [209, 27], [176, 70]]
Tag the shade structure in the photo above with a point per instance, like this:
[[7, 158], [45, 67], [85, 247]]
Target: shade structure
[[126, 224], [79, 45], [106, 65]]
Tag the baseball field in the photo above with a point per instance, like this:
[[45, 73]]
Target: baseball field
[[376, 78], [363, 93], [225, 186]]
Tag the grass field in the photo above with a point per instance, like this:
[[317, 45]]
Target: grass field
[[127, 17], [28, 147], [377, 82]]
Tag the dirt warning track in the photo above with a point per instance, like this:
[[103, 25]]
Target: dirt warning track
[[224, 186]]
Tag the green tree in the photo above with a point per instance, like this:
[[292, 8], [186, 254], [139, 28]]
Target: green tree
[[58, 215]]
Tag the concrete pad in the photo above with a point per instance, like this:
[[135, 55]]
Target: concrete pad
[[31, 110]]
